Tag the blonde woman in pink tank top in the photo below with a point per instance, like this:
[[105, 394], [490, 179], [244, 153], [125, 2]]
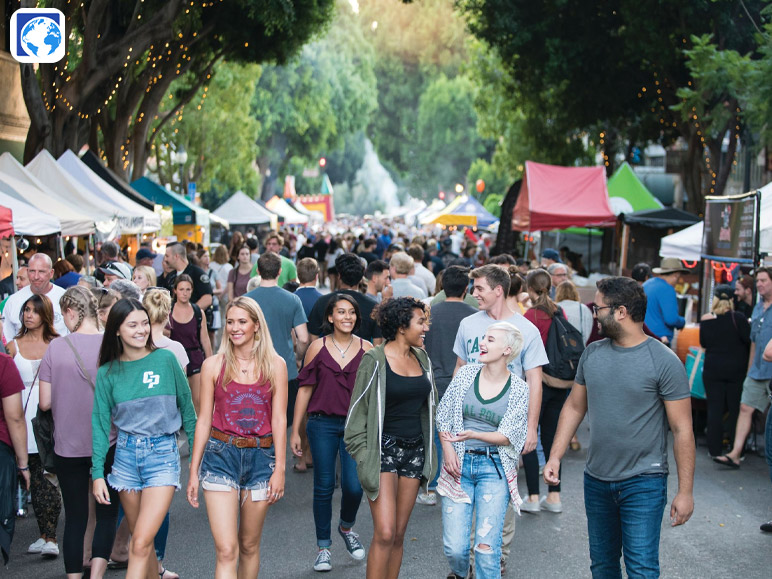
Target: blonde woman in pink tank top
[[239, 451]]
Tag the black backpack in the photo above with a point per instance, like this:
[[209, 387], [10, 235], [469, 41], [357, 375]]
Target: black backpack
[[564, 348]]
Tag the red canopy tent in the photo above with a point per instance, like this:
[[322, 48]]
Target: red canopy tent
[[6, 222], [553, 197]]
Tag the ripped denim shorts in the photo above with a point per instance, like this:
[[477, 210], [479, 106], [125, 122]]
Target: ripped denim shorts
[[145, 461], [225, 467]]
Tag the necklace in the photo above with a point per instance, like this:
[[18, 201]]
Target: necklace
[[341, 350], [248, 360]]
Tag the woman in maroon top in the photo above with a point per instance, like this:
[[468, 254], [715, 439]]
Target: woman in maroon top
[[238, 277], [325, 386], [239, 446], [554, 394], [188, 327]]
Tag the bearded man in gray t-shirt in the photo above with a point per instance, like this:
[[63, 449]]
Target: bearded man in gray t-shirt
[[632, 388]]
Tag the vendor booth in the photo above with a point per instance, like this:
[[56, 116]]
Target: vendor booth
[[135, 219], [463, 211], [191, 222], [241, 210], [291, 217], [27, 188], [642, 232], [95, 164], [68, 189]]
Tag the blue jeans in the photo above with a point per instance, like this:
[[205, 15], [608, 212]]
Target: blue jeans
[[438, 447], [625, 517], [160, 537], [325, 436], [484, 481]]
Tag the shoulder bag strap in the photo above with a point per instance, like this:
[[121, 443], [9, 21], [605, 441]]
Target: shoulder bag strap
[[34, 379], [80, 362]]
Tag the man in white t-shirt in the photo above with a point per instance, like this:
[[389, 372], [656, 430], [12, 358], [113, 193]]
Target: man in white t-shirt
[[40, 272]]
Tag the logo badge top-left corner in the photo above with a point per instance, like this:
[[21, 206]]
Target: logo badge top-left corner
[[38, 35]]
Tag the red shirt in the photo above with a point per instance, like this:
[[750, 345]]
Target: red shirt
[[10, 384], [541, 320], [243, 409], [332, 384]]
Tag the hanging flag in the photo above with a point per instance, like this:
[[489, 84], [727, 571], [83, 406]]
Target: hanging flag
[[326, 185], [289, 187]]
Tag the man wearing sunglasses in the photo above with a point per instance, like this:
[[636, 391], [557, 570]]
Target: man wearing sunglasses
[[625, 479]]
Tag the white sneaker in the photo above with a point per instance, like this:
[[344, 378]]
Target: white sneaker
[[50, 549], [323, 560], [530, 506], [426, 499], [36, 547]]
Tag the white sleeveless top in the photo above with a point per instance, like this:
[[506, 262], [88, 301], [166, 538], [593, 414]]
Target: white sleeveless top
[[30, 396]]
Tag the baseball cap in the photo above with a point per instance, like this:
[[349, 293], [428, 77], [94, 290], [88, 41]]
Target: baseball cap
[[723, 292], [117, 268], [145, 253], [553, 254]]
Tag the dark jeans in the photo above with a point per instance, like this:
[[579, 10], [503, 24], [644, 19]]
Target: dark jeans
[[720, 395], [74, 476], [438, 446], [8, 485], [325, 435], [552, 400], [625, 517], [292, 395]]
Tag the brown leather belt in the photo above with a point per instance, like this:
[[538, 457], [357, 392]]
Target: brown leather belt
[[243, 441]]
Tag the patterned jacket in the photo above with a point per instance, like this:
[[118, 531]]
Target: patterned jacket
[[513, 425]]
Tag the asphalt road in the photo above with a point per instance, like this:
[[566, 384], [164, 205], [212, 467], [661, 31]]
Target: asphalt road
[[721, 540]]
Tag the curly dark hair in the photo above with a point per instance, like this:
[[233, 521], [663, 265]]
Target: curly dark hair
[[623, 291], [395, 314]]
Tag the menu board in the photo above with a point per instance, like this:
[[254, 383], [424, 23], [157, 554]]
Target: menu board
[[730, 231]]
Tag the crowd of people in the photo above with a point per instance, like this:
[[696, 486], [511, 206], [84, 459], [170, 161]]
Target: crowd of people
[[403, 369]]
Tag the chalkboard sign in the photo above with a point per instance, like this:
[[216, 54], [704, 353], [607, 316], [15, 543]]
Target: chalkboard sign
[[731, 228]]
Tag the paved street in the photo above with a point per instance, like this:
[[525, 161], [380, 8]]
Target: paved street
[[721, 540]]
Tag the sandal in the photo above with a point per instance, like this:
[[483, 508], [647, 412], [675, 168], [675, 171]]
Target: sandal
[[112, 565], [726, 461], [164, 571]]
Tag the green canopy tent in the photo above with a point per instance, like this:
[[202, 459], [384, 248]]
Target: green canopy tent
[[628, 194]]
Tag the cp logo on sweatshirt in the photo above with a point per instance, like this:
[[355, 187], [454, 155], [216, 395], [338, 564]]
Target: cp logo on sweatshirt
[[151, 379]]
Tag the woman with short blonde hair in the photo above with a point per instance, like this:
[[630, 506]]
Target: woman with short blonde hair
[[482, 420], [144, 276]]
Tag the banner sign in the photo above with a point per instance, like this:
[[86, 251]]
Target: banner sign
[[731, 228]]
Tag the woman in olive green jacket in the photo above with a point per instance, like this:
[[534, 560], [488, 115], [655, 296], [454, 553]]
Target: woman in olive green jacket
[[390, 428]]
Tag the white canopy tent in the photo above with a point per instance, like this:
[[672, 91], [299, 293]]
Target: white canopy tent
[[283, 209], [241, 210], [106, 215], [28, 220], [687, 243], [133, 217], [27, 188]]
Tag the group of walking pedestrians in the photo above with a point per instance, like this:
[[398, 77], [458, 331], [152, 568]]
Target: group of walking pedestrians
[[398, 399]]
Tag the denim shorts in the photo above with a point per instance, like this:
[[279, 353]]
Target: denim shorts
[[145, 461], [402, 456], [225, 467]]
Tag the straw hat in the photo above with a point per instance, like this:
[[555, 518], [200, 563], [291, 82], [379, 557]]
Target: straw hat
[[669, 265]]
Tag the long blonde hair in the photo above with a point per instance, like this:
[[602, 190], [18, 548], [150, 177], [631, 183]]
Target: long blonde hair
[[262, 348]]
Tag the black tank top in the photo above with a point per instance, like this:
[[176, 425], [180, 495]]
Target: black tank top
[[405, 396]]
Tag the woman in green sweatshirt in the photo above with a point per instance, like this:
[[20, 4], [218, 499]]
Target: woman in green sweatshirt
[[145, 394], [389, 430]]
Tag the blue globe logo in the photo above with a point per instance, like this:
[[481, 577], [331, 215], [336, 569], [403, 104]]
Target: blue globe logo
[[41, 37]]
